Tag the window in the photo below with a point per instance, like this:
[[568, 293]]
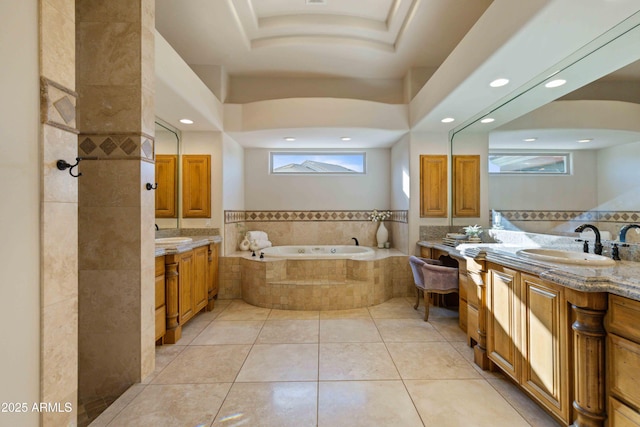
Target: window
[[529, 163], [346, 163]]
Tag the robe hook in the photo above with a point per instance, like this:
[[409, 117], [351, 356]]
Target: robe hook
[[62, 165]]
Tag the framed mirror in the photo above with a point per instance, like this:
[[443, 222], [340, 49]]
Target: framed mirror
[[569, 161], [167, 145]]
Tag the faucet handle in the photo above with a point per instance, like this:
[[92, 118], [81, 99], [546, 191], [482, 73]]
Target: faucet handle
[[585, 245], [615, 254]]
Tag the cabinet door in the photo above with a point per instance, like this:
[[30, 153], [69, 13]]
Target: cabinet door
[[196, 186], [433, 186], [213, 271], [544, 344], [503, 319], [186, 280], [466, 186], [201, 267], [166, 178]]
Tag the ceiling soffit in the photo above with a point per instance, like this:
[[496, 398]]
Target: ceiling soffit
[[380, 26]]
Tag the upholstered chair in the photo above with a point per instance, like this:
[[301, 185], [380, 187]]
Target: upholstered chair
[[430, 276]]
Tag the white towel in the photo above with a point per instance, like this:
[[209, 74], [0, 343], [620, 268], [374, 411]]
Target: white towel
[[257, 235], [260, 244]]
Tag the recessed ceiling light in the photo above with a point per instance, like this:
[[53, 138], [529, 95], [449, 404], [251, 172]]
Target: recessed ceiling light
[[499, 82], [529, 139], [447, 120], [345, 138], [555, 83], [186, 121], [289, 138], [585, 140], [487, 120]]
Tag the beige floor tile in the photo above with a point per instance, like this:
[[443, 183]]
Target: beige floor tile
[[165, 354], [349, 330], [176, 405], [430, 360], [229, 332], [365, 404], [293, 315], [278, 404], [449, 328], [441, 312], [462, 403], [356, 361], [280, 362], [407, 330], [397, 308], [289, 331], [191, 330], [352, 313], [116, 407], [526, 407], [467, 353], [240, 310], [204, 364]]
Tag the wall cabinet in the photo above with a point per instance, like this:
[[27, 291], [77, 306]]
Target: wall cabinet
[[623, 361], [190, 286], [196, 186], [165, 193], [527, 335], [466, 186], [433, 186]]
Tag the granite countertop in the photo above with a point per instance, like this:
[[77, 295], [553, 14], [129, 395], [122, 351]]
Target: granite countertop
[[621, 279], [196, 242]]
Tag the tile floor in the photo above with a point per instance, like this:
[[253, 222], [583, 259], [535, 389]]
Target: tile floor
[[241, 365]]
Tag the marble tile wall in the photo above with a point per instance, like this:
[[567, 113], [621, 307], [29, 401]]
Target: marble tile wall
[[59, 210], [313, 228], [116, 213]]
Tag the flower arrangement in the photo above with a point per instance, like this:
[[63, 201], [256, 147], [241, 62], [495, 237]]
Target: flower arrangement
[[473, 230], [376, 216]]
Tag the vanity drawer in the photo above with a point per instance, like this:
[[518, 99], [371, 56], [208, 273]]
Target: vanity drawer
[[624, 317], [159, 266], [462, 310], [160, 297], [472, 323], [624, 369], [620, 415]]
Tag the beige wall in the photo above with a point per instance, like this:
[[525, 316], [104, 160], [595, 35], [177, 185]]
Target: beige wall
[[20, 167]]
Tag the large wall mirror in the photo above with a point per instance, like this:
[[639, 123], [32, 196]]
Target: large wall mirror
[[571, 160], [167, 145]]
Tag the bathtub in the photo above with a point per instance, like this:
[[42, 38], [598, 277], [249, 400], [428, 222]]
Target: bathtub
[[319, 252]]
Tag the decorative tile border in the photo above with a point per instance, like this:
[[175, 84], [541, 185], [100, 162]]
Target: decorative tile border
[[600, 216], [129, 146], [58, 105], [274, 216]]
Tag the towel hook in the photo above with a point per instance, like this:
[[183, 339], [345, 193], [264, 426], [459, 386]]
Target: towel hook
[[62, 165], [151, 187]]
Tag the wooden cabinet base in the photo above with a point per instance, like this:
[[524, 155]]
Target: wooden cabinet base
[[173, 335]]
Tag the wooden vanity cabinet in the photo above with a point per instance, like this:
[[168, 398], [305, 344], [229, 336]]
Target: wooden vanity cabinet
[[160, 300], [623, 361], [212, 280], [528, 326]]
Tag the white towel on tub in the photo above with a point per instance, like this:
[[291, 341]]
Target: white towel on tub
[[257, 236], [260, 244]]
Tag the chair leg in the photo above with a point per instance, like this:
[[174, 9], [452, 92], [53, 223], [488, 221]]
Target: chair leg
[[415, 307], [427, 297]]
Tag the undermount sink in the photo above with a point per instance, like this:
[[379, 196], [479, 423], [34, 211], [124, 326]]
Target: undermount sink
[[173, 241], [566, 257]]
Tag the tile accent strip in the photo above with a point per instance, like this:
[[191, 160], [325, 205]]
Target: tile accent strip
[[127, 146], [274, 216], [58, 105], [600, 216]]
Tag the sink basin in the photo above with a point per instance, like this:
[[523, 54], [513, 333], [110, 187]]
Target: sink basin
[[567, 257], [173, 241]]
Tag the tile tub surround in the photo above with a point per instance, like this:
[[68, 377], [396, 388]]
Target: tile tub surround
[[314, 228], [321, 284]]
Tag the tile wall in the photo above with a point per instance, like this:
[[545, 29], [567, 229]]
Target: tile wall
[[59, 210], [115, 68]]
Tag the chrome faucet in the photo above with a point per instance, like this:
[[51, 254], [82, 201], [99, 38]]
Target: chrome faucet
[[597, 247], [357, 243], [623, 231]]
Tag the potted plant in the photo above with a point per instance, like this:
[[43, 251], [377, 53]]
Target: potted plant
[[473, 231]]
